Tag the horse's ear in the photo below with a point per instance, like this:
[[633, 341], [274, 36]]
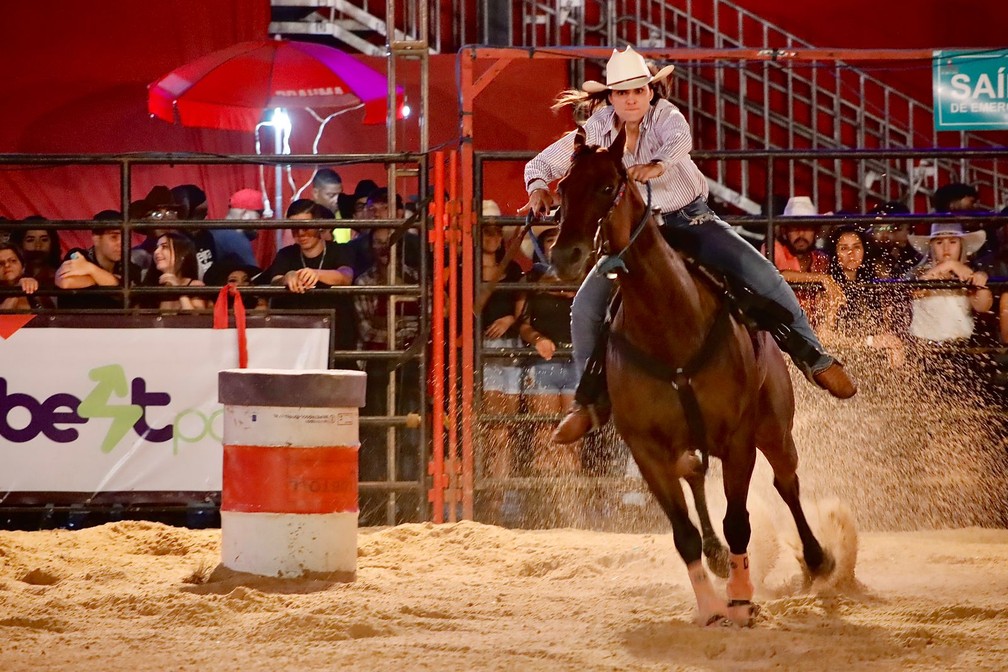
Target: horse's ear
[[617, 146], [579, 139]]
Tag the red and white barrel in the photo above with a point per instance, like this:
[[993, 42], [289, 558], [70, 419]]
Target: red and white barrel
[[289, 496]]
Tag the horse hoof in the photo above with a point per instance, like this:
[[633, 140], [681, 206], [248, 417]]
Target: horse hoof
[[825, 567], [811, 573], [713, 620], [743, 613], [717, 561]]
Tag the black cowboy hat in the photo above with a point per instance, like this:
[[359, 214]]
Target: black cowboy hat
[[218, 272], [364, 189], [158, 198]]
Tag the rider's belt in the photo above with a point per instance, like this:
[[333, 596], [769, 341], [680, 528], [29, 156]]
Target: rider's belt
[[687, 214]]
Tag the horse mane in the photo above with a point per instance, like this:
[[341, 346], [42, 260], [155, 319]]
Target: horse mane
[[582, 149]]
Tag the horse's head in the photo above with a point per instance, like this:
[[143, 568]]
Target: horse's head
[[589, 192]]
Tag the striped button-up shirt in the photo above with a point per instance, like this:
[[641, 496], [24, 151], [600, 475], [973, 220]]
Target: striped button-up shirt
[[664, 137]]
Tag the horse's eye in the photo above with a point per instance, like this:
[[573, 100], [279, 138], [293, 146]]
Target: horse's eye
[[608, 189]]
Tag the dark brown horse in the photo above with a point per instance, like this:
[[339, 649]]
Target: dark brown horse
[[740, 383]]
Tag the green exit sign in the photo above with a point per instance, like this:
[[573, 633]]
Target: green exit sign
[[971, 90]]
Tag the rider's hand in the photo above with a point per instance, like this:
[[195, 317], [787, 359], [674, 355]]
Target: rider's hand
[[539, 204], [643, 172]]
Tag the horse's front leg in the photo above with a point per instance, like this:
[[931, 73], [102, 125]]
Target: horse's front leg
[[738, 470], [713, 549], [662, 476]]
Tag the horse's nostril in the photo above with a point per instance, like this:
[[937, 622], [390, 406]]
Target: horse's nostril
[[575, 255]]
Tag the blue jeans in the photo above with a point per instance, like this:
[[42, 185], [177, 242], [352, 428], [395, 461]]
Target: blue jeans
[[553, 377], [717, 246], [501, 374]]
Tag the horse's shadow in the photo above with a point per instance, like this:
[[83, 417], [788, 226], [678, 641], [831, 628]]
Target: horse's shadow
[[784, 631]]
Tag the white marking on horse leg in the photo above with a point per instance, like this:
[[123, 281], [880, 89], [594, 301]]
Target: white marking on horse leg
[[688, 465], [709, 606]]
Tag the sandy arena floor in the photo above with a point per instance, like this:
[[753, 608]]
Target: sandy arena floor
[[143, 596], [903, 456]]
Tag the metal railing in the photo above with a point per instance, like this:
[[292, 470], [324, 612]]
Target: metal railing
[[131, 291], [364, 26], [767, 161]]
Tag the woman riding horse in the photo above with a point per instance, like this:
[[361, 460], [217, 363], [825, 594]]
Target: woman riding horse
[[685, 376], [657, 150]]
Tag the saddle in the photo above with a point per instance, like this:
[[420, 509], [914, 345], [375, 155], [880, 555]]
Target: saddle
[[756, 312]]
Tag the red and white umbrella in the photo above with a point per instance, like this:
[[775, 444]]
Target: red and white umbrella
[[235, 88], [244, 86]]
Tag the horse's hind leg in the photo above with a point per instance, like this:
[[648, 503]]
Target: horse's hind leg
[[662, 477], [773, 436], [817, 560], [713, 549]]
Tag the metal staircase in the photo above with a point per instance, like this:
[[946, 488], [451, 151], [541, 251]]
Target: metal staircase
[[731, 105], [358, 24], [755, 106]]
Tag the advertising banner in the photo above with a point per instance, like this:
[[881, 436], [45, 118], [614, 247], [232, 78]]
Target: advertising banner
[[127, 409], [971, 90]]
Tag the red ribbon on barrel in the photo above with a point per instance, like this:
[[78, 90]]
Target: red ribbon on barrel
[[220, 320]]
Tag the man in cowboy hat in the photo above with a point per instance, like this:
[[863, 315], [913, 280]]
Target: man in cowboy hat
[[657, 150], [894, 254], [798, 260]]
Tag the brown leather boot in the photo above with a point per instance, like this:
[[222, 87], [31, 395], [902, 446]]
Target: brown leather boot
[[835, 380], [579, 421]]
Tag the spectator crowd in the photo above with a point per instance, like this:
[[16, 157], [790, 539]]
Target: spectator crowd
[[877, 281]]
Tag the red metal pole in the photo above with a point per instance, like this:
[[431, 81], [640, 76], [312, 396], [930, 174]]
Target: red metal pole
[[451, 495], [468, 292], [436, 468]]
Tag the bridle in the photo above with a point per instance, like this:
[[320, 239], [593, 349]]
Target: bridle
[[614, 262]]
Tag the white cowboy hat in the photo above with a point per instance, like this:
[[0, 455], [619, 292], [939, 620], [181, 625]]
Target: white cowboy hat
[[490, 208], [971, 242], [800, 206], [626, 70]]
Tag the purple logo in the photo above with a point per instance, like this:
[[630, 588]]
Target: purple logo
[[55, 416]]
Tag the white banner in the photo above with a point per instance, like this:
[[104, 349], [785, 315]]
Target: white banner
[[113, 410]]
